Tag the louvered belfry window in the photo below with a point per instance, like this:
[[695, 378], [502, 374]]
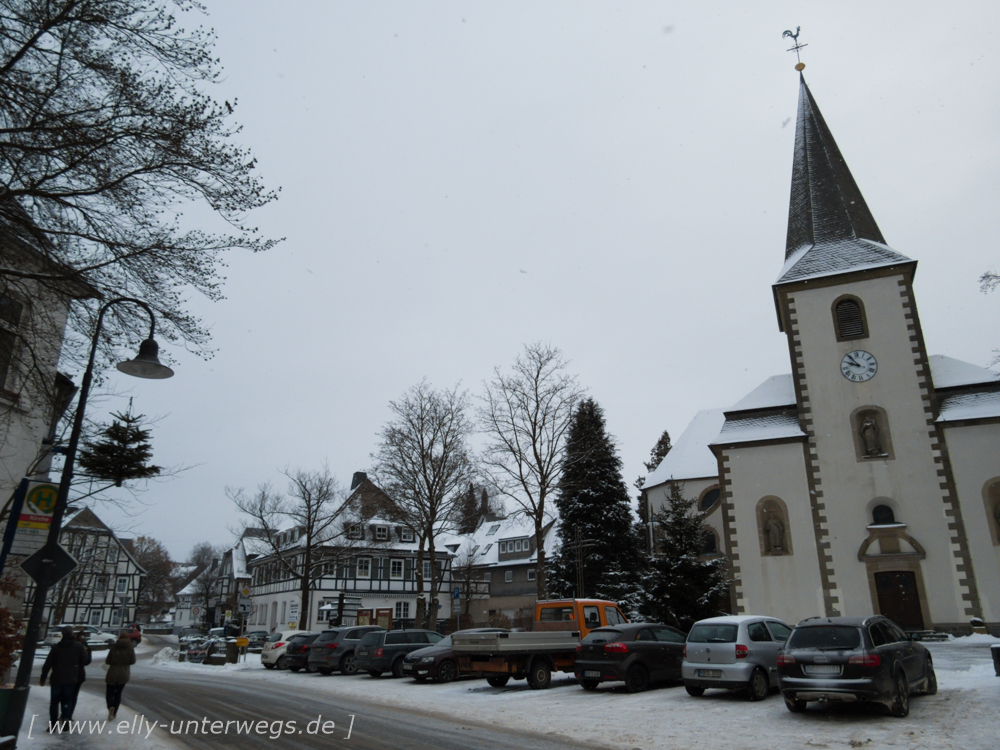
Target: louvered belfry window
[[850, 321]]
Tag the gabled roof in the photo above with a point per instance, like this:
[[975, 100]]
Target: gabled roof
[[948, 372], [777, 390], [483, 544], [830, 228], [690, 457]]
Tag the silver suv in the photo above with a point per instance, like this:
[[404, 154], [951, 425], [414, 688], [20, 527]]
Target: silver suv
[[734, 653]]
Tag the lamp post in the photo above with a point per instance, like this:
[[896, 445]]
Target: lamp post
[[145, 365]]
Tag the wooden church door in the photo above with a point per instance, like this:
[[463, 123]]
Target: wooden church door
[[898, 599]]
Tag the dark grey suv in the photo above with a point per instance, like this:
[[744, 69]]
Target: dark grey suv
[[334, 649], [384, 651], [854, 659]]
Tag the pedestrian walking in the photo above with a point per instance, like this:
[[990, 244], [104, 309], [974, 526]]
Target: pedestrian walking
[[121, 656], [66, 662], [81, 638]]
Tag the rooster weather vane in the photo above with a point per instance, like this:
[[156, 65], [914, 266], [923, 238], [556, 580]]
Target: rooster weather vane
[[795, 38]]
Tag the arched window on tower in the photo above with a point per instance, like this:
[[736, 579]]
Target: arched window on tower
[[882, 515], [849, 315], [709, 542]]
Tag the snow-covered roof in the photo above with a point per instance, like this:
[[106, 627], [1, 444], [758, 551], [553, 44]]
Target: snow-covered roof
[[690, 457], [777, 390], [483, 544], [970, 406], [948, 372], [839, 256], [770, 427]]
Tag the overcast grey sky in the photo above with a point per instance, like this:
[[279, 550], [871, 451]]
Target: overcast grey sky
[[460, 178]]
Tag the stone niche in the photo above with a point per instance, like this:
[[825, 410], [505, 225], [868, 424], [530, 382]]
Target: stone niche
[[773, 529]]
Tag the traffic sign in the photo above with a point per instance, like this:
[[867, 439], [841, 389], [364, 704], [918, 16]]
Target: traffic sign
[[245, 591], [242, 642], [456, 592], [195, 611], [62, 564]]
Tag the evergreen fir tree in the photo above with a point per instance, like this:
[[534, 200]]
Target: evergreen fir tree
[[593, 500], [656, 455], [123, 454], [468, 511], [684, 586]]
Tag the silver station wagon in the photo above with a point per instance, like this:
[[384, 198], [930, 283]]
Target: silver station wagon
[[734, 653]]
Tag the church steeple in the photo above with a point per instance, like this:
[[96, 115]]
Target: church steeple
[[830, 228]]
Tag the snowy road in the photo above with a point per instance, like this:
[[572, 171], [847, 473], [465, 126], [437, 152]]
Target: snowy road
[[962, 716]]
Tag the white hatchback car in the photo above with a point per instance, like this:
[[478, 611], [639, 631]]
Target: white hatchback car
[[734, 653], [273, 653]]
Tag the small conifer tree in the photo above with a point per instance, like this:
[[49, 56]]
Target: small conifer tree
[[122, 454]]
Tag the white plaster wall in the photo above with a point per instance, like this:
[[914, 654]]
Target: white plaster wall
[[788, 586], [849, 485], [975, 460]]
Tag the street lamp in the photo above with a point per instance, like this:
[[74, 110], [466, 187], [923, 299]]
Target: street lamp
[[145, 365]]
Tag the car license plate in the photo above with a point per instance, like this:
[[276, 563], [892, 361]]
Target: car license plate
[[821, 668], [362, 653], [710, 673], [407, 667], [591, 673]]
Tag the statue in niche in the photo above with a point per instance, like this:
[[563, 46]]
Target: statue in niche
[[775, 531], [870, 437]]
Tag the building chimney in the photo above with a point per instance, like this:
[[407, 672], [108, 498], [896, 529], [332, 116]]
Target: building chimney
[[359, 477]]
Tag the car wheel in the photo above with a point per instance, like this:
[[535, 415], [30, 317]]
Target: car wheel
[[447, 671], [498, 680], [294, 669], [694, 691], [589, 684], [397, 667], [347, 664], [636, 679], [758, 686], [325, 670], [930, 686], [540, 676], [795, 706], [374, 672], [267, 665], [900, 706], [281, 663]]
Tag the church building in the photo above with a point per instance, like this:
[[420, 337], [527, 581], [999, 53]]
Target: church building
[[867, 480]]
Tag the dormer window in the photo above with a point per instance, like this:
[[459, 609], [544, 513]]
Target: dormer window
[[354, 531], [406, 534], [381, 533]]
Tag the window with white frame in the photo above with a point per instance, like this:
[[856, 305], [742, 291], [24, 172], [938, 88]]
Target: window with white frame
[[381, 533], [95, 617], [517, 545], [427, 570], [402, 610], [531, 574], [122, 586], [364, 567], [101, 584], [406, 534], [354, 531], [487, 575], [508, 576], [112, 556], [395, 568], [503, 547], [116, 616]]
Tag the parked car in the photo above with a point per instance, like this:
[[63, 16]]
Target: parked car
[[189, 634], [216, 632], [383, 650], [334, 649], [297, 651], [96, 638], [854, 659], [273, 652], [134, 633], [198, 652], [256, 638], [637, 653], [437, 662], [734, 653]]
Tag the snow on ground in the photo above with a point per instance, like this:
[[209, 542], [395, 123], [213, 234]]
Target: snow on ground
[[963, 715]]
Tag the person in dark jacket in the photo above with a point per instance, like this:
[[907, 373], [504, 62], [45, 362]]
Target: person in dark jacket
[[66, 662], [121, 657], [81, 638]]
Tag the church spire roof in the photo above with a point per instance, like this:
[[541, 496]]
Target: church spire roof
[[830, 229]]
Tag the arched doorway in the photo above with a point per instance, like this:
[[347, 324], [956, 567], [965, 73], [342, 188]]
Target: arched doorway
[[898, 598]]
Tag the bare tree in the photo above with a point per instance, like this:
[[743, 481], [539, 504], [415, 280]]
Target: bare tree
[[317, 515], [202, 554], [525, 414], [207, 584], [425, 465], [468, 577], [156, 587]]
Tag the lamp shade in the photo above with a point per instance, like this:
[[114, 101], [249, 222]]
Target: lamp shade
[[146, 363]]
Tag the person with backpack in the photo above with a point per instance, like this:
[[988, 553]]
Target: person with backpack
[[66, 662]]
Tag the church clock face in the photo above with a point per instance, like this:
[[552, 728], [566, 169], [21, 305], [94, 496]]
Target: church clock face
[[858, 366]]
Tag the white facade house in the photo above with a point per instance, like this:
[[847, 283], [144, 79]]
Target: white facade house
[[867, 480]]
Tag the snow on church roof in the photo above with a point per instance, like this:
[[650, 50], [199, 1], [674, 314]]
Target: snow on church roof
[[970, 406], [777, 390], [690, 457], [948, 372], [839, 256], [770, 427]]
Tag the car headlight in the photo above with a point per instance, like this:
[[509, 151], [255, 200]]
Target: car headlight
[[426, 660]]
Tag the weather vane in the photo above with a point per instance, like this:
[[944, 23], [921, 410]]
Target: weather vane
[[795, 38]]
